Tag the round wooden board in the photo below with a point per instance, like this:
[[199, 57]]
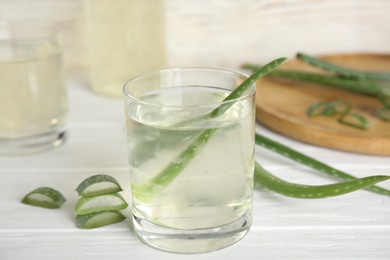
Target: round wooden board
[[281, 106]]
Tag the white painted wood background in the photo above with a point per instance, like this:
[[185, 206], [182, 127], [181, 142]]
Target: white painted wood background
[[226, 33], [208, 33]]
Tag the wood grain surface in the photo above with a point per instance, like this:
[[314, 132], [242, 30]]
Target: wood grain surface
[[218, 33], [282, 106]]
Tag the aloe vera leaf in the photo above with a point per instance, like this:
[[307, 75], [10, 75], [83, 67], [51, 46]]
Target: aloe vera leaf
[[364, 86], [151, 140], [267, 180], [361, 86], [342, 70], [311, 162], [173, 169]]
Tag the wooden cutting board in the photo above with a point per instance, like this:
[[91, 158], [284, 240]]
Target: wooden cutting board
[[281, 106]]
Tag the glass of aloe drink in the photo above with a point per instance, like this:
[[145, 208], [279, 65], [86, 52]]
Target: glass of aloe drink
[[33, 91], [191, 157]]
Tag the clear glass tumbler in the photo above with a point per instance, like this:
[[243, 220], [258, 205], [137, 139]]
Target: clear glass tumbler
[[191, 169], [33, 95]]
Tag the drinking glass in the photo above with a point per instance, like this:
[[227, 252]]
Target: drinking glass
[[33, 95], [191, 169]]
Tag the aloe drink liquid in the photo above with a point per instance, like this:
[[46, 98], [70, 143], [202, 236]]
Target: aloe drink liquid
[[31, 102], [208, 205], [124, 38], [33, 92]]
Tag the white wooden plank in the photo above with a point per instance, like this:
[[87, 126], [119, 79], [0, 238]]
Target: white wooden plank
[[260, 243], [96, 147], [262, 30]]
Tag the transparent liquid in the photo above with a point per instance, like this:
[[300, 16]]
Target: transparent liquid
[[215, 189], [124, 39], [33, 93]]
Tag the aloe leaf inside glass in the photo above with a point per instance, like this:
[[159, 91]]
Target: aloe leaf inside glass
[[162, 179]]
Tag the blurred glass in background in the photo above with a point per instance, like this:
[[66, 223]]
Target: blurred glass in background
[[33, 94]]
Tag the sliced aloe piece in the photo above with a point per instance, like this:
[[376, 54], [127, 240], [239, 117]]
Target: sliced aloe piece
[[44, 197], [384, 113], [99, 219], [87, 205], [98, 185]]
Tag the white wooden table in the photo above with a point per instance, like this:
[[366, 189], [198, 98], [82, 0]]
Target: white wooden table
[[354, 226]]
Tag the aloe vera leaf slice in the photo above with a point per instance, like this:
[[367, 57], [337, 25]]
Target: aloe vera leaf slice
[[98, 185], [44, 197], [99, 219], [106, 202]]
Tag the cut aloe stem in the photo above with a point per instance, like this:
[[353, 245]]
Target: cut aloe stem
[[44, 197], [99, 219], [384, 113], [273, 183], [311, 162], [98, 185], [173, 169], [322, 108], [86, 205], [338, 107], [354, 119]]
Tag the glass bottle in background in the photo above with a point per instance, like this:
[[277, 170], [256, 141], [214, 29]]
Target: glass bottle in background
[[124, 38]]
